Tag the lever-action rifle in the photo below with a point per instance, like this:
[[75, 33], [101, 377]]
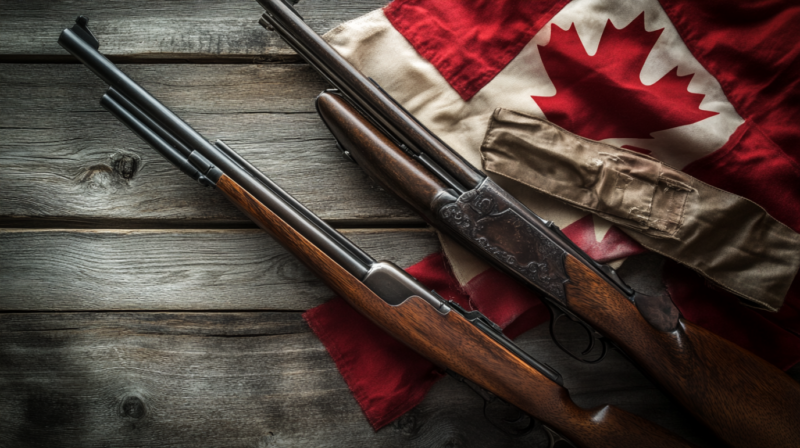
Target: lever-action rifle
[[463, 342], [745, 400]]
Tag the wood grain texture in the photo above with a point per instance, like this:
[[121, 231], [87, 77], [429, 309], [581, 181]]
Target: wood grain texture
[[174, 269], [745, 400], [171, 29], [64, 157], [199, 380], [251, 379]]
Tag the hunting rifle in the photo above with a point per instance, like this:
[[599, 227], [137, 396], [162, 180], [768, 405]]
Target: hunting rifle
[[464, 342], [745, 400]]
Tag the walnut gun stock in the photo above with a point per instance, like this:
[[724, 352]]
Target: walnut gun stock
[[745, 400], [466, 343]]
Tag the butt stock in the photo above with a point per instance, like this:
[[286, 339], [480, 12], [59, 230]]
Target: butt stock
[[746, 401]]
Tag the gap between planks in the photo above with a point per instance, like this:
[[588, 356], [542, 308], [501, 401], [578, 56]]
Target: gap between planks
[[180, 58], [68, 223]]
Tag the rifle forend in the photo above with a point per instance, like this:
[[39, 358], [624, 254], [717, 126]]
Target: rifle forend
[[463, 342]]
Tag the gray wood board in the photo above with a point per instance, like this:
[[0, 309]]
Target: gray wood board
[[63, 156], [174, 269], [159, 29], [247, 380]]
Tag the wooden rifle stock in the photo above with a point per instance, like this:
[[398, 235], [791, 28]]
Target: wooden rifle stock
[[450, 341], [745, 400]]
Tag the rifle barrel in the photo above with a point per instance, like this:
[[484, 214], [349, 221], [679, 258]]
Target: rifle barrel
[[205, 162]]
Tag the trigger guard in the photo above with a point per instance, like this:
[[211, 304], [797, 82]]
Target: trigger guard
[[556, 315]]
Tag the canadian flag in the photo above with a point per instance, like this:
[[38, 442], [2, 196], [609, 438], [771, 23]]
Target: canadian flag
[[619, 72], [712, 88]]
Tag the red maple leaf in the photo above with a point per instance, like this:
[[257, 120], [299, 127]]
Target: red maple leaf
[[601, 96]]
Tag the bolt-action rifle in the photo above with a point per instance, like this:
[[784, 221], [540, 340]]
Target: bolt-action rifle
[[463, 342], [746, 401]]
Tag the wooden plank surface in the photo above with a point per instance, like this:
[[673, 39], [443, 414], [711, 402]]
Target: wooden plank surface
[[164, 29], [246, 379], [163, 322], [158, 269], [64, 157]]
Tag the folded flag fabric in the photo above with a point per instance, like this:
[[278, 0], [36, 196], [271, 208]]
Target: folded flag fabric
[[709, 88]]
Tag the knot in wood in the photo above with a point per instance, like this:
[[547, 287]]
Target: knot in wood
[[120, 168], [407, 424], [133, 407], [125, 165]]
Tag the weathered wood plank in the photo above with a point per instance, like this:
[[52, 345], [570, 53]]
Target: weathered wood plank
[[168, 29], [247, 379], [174, 269], [62, 153]]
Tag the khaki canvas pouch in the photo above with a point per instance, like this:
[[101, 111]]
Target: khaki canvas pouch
[[728, 239]]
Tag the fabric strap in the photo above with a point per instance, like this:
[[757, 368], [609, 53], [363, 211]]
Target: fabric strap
[[728, 239]]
